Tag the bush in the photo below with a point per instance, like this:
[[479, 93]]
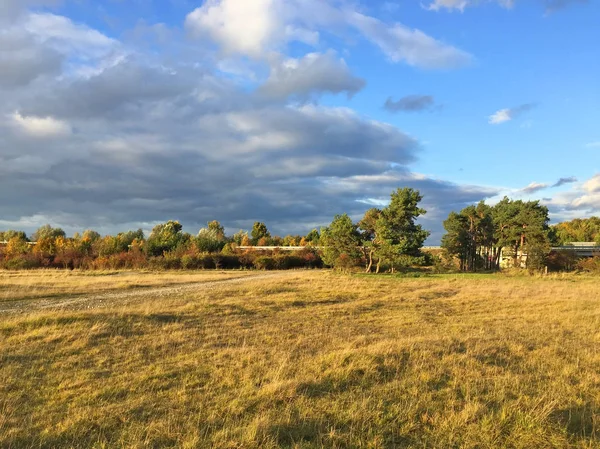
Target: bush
[[589, 265], [264, 263], [190, 262], [25, 262]]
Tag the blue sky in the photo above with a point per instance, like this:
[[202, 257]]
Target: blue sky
[[123, 114]]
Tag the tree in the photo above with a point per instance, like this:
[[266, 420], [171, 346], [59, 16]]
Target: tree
[[398, 238], [259, 231], [341, 241], [456, 241], [212, 238], [470, 237], [577, 230], [239, 237], [313, 237], [48, 232], [91, 235], [10, 234], [164, 237], [478, 235], [368, 226], [218, 230]]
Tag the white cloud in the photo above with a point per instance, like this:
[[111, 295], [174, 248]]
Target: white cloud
[[592, 185], [300, 34], [69, 37], [412, 46], [501, 116], [460, 5], [448, 4], [255, 28], [40, 126], [239, 26], [508, 114]]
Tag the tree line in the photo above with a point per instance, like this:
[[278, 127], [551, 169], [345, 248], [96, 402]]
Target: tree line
[[388, 238], [167, 247]]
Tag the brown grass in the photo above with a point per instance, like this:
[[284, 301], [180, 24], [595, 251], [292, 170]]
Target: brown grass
[[313, 359], [24, 285]]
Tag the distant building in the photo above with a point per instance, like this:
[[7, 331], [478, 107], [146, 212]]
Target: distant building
[[577, 249]]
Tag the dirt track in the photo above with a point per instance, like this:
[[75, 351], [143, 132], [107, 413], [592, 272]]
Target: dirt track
[[102, 299]]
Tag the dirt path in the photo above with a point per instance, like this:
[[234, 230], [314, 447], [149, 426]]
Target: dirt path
[[98, 300]]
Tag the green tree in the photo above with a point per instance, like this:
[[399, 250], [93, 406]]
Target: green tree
[[164, 237], [399, 239], [478, 235], [313, 237], [259, 231], [48, 232], [470, 237], [218, 229], [211, 239], [341, 241], [240, 237]]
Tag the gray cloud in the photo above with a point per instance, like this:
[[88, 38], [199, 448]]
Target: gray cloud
[[410, 103], [563, 181], [534, 187], [311, 75], [22, 59], [135, 140]]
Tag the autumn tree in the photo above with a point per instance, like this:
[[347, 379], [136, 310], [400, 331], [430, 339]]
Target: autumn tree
[[10, 234], [577, 230], [239, 236]]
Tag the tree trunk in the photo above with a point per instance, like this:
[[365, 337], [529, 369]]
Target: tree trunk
[[368, 270]]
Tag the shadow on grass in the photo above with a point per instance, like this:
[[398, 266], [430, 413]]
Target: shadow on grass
[[306, 431], [579, 421], [378, 371]]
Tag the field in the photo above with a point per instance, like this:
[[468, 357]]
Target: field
[[299, 359]]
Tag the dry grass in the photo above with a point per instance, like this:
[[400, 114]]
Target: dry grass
[[25, 285], [313, 359]]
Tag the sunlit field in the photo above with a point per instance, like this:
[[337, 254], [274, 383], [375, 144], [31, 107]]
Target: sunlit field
[[299, 359]]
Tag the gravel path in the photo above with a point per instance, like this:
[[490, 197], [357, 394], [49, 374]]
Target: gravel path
[[101, 299]]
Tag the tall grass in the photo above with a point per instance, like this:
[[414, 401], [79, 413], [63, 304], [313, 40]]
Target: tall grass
[[313, 359]]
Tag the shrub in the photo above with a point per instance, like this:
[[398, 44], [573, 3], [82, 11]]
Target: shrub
[[264, 263], [590, 265]]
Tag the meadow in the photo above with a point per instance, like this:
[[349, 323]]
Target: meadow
[[298, 359]]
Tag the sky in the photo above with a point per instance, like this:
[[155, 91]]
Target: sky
[[121, 114]]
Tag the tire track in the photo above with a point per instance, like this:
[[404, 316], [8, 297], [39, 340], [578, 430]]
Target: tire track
[[99, 299]]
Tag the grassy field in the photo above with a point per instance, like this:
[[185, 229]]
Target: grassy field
[[303, 360]]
